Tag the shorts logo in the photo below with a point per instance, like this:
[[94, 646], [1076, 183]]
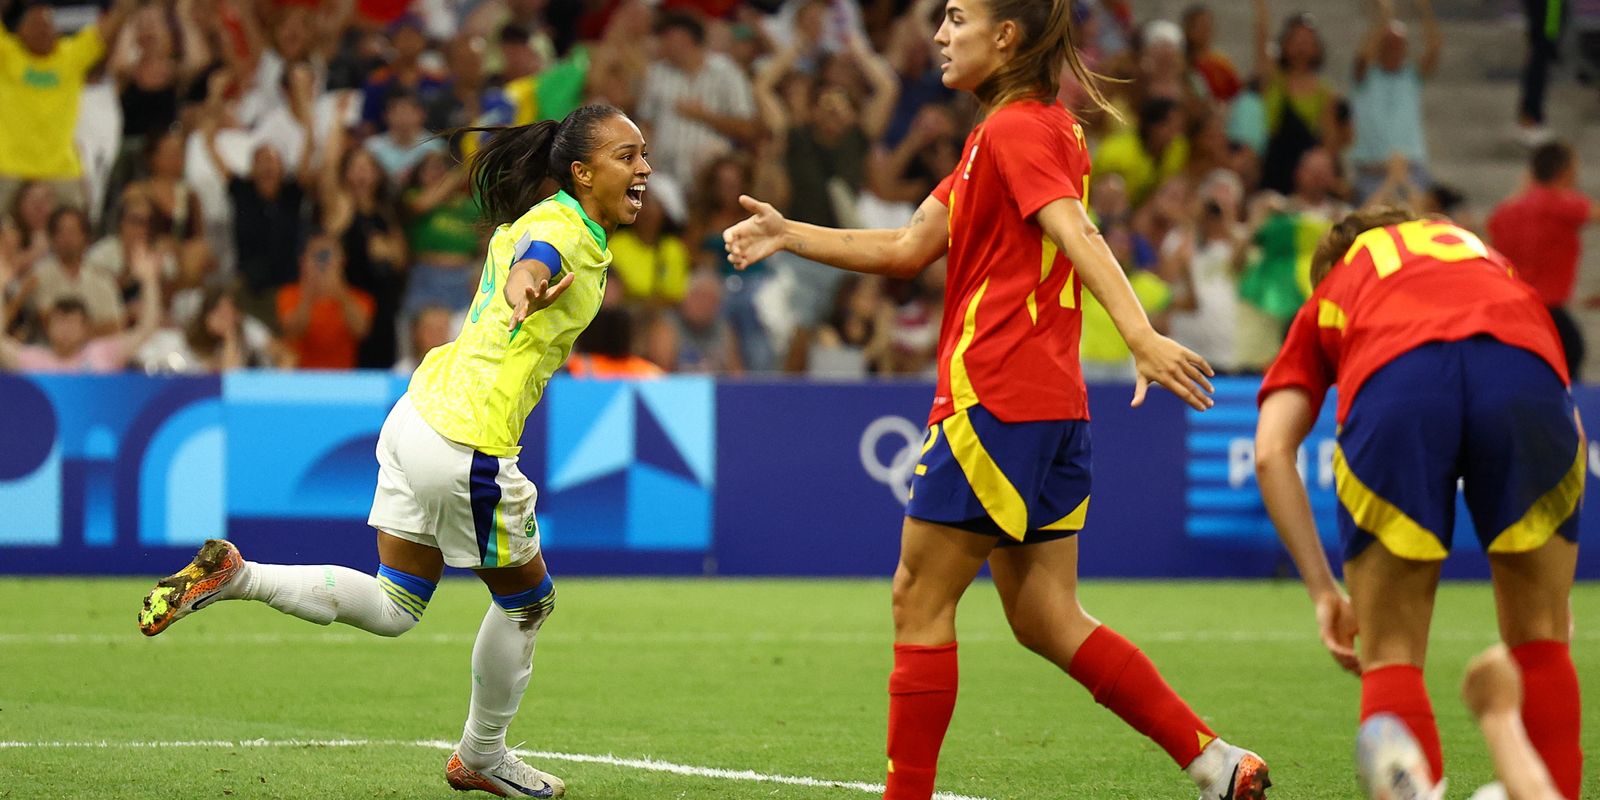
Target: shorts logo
[[904, 449], [530, 527]]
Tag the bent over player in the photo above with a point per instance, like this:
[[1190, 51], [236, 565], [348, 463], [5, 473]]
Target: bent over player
[[1449, 370], [1004, 472], [449, 491]]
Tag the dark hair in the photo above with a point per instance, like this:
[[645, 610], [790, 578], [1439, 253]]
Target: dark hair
[[509, 171], [683, 21], [1338, 240], [1048, 40], [1153, 112], [198, 333], [70, 304], [513, 33], [609, 334], [1549, 160], [68, 211], [1301, 20]]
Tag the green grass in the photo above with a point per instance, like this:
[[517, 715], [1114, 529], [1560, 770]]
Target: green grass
[[774, 676]]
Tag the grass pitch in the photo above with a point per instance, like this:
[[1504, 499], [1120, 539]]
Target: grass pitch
[[775, 677]]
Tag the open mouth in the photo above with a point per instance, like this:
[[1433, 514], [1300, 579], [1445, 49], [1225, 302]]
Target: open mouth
[[636, 195]]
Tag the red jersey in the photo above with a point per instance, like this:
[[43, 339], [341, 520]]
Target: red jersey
[[1539, 231], [1009, 337], [1400, 287]]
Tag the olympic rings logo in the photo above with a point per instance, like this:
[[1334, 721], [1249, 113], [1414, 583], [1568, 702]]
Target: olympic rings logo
[[897, 473]]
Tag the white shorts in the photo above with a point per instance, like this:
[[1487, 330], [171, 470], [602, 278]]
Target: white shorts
[[476, 509]]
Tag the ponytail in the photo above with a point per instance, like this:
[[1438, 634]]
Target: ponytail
[[1049, 42], [508, 173]]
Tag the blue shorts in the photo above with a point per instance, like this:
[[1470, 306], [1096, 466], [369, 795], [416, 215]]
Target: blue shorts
[[1494, 417], [1025, 482]]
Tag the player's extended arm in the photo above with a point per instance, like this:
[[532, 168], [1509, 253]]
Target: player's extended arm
[[528, 287], [897, 253], [1492, 690], [1285, 420], [1156, 358]]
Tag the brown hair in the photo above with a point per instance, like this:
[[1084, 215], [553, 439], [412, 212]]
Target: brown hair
[[1048, 38], [1338, 241], [1550, 160]]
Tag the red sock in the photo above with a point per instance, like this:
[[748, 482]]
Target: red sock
[[922, 696], [1550, 710], [1122, 679], [1398, 690]]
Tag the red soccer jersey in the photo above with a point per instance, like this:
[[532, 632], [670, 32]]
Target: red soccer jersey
[[1539, 231], [1400, 287], [1009, 337]]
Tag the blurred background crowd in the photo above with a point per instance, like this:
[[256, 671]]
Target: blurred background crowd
[[204, 185]]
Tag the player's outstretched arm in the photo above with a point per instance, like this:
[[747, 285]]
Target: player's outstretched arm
[[528, 288], [1286, 419], [1156, 358], [1492, 690], [897, 253]]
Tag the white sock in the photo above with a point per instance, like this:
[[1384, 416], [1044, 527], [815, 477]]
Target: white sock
[[1214, 763], [325, 594], [502, 662]]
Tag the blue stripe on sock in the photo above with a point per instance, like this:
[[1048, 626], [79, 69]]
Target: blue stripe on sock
[[421, 587], [527, 599]]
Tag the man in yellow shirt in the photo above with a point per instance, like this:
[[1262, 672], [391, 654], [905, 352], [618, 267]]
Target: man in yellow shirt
[[41, 76], [1147, 154]]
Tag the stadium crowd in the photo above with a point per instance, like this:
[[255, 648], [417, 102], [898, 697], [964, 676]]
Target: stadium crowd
[[203, 185]]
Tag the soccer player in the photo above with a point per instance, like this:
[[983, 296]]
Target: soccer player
[[449, 491], [1449, 369], [1004, 472]]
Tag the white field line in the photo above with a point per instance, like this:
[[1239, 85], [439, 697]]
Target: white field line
[[647, 764], [702, 638]]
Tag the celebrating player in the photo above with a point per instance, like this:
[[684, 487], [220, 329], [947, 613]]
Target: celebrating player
[[449, 491], [1004, 473], [1448, 369]]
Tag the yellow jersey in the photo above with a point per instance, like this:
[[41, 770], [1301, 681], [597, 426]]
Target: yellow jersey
[[479, 389], [40, 109]]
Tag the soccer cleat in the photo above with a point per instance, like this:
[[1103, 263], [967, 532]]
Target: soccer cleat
[[509, 778], [1246, 781], [1390, 764], [192, 587]]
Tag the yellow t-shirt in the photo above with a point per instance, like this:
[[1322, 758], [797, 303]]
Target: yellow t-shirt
[[1123, 154], [659, 272], [39, 104], [479, 389], [1101, 343]]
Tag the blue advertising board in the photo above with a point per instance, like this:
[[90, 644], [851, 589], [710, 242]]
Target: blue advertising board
[[682, 476]]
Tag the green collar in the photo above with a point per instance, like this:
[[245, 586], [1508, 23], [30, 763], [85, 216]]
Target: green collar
[[571, 202]]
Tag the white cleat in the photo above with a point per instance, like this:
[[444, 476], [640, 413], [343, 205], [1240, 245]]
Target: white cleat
[[509, 778], [1390, 763], [1246, 778]]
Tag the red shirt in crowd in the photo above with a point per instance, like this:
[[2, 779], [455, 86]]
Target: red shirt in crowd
[[1539, 230], [1009, 337], [328, 342], [1400, 287]]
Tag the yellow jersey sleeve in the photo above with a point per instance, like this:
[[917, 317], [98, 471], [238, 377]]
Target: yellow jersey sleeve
[[82, 50], [479, 389]]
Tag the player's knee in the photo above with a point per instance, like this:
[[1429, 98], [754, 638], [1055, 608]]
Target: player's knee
[[532, 607], [918, 603], [408, 596]]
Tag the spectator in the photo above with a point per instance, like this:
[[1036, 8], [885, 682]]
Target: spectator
[[443, 234], [114, 253], [431, 327], [267, 222], [911, 53], [31, 209], [1147, 155], [1213, 68], [324, 319], [355, 207], [1298, 103], [41, 77], [406, 75], [405, 141], [857, 339], [219, 338], [1200, 263], [604, 351], [64, 274], [721, 184], [694, 337], [149, 79], [900, 177], [1386, 102], [1539, 229], [177, 207], [698, 102], [651, 257], [70, 342]]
